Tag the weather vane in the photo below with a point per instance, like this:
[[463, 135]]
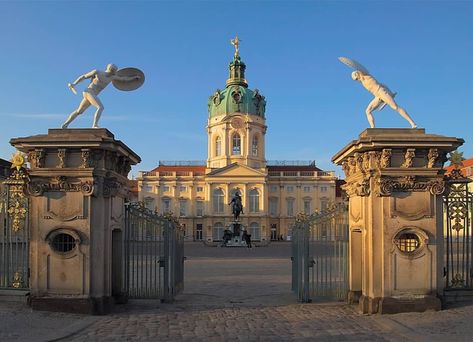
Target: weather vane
[[236, 43]]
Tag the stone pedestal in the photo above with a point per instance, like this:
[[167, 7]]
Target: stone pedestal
[[237, 239], [395, 185], [78, 185]]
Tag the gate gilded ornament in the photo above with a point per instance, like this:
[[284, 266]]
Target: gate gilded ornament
[[16, 185], [14, 232]]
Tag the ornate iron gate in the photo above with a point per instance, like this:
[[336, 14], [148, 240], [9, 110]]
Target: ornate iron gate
[[14, 233], [320, 255], [458, 235], [153, 254]]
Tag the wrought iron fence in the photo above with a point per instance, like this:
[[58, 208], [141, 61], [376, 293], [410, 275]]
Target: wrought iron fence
[[14, 234], [154, 254], [320, 255], [458, 218]]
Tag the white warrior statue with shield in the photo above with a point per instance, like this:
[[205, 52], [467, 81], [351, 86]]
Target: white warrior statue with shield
[[124, 79], [382, 94]]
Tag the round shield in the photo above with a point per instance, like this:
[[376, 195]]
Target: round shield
[[131, 84]]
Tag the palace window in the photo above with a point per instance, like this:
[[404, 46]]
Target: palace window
[[199, 208], [165, 188], [183, 208], [183, 188], [166, 205], [236, 146], [255, 231], [289, 188], [254, 146], [323, 189], [146, 188], [218, 146], [307, 188], [273, 206], [290, 206], [200, 189], [254, 201], [307, 206], [218, 201], [323, 204], [218, 231], [149, 203], [273, 188]]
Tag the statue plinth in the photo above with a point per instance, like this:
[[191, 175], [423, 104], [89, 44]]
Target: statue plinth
[[235, 236], [78, 186], [394, 180]]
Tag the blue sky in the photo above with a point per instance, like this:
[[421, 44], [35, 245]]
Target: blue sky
[[423, 50]]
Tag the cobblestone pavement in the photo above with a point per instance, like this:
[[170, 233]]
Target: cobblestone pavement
[[19, 323], [235, 295]]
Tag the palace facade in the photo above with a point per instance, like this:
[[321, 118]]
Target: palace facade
[[272, 192]]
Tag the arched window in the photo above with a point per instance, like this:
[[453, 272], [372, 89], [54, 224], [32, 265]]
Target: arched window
[[254, 201], [255, 231], [217, 233], [218, 146], [218, 200], [236, 145], [254, 146]]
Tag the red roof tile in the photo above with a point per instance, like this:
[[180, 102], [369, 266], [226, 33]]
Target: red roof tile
[[466, 163], [293, 168], [190, 168]]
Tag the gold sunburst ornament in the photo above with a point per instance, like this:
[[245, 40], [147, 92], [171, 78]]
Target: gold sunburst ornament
[[18, 160]]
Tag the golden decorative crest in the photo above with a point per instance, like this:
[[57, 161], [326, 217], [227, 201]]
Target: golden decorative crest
[[16, 204], [17, 280], [18, 160], [18, 213]]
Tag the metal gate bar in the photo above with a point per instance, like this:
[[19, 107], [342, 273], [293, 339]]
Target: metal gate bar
[[14, 232], [459, 242], [320, 255], [154, 254]]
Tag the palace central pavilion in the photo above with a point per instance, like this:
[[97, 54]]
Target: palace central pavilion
[[272, 193]]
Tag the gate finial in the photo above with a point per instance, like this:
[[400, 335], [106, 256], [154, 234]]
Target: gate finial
[[456, 159], [18, 160]]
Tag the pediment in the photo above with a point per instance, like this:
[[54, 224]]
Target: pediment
[[236, 170]]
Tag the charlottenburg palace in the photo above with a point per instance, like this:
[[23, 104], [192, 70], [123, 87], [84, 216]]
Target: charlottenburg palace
[[273, 193]]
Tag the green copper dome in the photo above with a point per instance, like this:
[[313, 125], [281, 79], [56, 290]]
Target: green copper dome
[[236, 97]]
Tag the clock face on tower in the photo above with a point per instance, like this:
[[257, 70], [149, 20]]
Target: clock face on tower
[[237, 123]]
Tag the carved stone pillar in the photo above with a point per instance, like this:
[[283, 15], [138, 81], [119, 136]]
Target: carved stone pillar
[[394, 180], [78, 185]]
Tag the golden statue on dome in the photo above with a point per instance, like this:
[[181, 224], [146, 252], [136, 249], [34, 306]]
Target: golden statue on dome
[[236, 43]]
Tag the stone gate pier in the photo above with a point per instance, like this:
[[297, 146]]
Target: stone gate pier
[[78, 185], [394, 180]]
